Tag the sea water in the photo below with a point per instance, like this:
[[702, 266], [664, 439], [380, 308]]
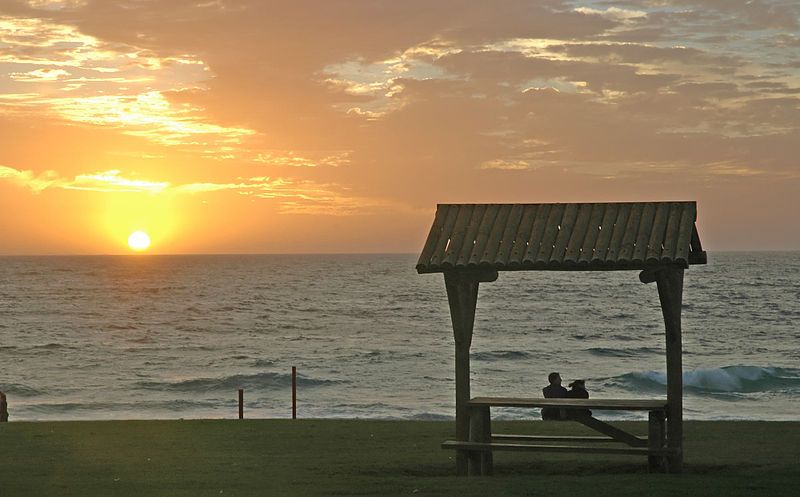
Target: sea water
[[171, 337]]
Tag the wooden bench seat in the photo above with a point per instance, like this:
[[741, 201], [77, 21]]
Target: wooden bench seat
[[521, 447], [508, 437]]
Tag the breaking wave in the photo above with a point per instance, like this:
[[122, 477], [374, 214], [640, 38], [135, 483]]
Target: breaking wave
[[729, 379]]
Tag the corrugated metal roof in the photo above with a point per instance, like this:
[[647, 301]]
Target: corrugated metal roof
[[591, 236]]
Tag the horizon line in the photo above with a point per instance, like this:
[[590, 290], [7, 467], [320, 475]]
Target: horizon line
[[179, 254]]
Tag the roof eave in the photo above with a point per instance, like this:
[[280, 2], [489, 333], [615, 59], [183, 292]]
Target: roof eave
[[700, 258]]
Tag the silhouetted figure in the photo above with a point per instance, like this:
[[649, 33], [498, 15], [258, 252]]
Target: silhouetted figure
[[3, 408], [577, 390], [553, 391]]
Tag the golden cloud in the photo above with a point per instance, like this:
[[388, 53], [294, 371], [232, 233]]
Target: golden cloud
[[133, 99], [295, 196], [149, 115], [510, 165], [39, 75], [27, 179]]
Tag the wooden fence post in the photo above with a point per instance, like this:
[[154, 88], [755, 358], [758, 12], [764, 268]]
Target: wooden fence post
[[241, 403], [294, 392]]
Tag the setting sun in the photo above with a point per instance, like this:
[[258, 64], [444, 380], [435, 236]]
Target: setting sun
[[139, 241]]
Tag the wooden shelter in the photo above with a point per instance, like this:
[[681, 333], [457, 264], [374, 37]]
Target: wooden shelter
[[471, 243]]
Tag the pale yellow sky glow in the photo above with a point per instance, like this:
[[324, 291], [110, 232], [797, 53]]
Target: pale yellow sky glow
[[254, 126]]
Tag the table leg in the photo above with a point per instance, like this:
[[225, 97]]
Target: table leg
[[656, 439], [480, 462], [473, 456]]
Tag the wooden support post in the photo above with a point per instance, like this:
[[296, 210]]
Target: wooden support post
[[655, 440], [241, 403], [462, 295], [670, 292]]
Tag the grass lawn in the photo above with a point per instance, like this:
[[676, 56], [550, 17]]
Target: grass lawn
[[358, 457]]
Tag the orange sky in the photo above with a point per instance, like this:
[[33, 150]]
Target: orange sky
[[336, 126]]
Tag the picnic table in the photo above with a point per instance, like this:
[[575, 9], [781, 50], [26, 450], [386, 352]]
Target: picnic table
[[482, 442]]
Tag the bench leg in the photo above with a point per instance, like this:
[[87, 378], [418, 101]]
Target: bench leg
[[474, 456], [487, 459], [480, 462], [656, 439]]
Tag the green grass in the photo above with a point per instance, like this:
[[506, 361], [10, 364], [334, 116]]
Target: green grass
[[358, 457]]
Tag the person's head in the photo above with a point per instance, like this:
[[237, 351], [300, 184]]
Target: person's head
[[578, 384], [554, 378]]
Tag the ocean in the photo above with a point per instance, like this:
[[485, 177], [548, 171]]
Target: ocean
[[169, 337]]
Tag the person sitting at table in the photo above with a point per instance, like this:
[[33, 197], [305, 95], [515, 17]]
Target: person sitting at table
[[577, 390], [553, 391]]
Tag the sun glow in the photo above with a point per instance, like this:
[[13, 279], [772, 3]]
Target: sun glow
[[139, 241]]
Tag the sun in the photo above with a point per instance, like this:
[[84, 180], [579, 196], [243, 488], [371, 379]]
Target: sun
[[139, 241]]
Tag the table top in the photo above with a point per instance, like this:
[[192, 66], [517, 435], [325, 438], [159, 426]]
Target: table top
[[600, 404]]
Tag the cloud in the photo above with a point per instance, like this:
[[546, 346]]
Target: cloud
[[747, 14], [294, 196], [291, 158], [108, 84], [614, 13], [39, 75], [111, 181], [27, 179], [57, 4], [631, 53], [509, 165], [149, 115]]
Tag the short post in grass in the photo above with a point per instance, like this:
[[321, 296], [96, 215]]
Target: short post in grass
[[3, 408], [294, 392], [241, 403]]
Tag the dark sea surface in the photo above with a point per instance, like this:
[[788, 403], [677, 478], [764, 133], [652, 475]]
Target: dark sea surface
[[172, 337]]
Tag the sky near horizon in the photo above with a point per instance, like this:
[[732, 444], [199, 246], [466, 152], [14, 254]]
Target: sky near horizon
[[257, 126]]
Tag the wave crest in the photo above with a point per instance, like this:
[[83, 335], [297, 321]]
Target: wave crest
[[728, 379], [501, 354], [17, 390], [613, 352]]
